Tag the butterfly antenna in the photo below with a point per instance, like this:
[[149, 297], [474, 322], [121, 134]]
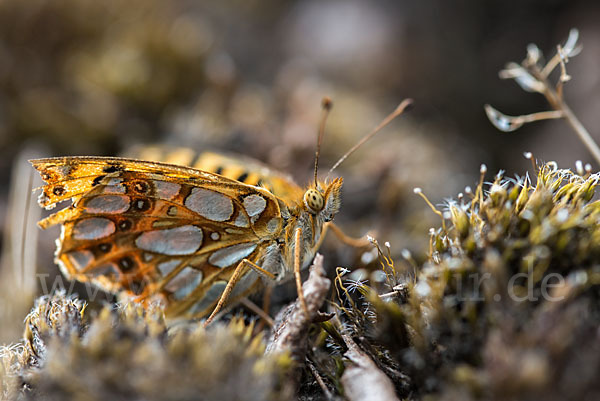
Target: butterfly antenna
[[326, 105], [406, 103]]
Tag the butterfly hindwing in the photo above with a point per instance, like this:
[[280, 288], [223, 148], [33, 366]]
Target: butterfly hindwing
[[145, 228]]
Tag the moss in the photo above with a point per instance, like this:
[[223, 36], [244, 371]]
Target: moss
[[507, 304], [127, 352]]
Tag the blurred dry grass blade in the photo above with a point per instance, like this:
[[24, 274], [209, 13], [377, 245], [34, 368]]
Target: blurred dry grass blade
[[18, 279]]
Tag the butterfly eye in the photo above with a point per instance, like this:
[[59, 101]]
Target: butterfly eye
[[314, 200]]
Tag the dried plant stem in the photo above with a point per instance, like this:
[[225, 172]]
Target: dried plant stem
[[580, 130], [558, 104], [291, 326], [542, 115], [319, 380], [362, 379]]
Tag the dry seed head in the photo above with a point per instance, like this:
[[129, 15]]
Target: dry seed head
[[533, 54], [579, 167]]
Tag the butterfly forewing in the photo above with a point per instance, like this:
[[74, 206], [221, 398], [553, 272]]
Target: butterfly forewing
[[144, 228], [235, 167]]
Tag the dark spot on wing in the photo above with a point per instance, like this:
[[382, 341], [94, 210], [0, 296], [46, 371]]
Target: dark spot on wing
[[98, 180], [125, 225], [126, 264], [104, 248], [141, 204], [140, 187], [243, 177], [113, 168]]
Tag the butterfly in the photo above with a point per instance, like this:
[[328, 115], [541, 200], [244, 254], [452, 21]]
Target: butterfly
[[197, 239]]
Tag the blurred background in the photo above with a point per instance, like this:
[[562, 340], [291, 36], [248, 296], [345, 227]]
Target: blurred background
[[82, 77]]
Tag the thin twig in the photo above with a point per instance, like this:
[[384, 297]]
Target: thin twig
[[558, 104], [319, 379]]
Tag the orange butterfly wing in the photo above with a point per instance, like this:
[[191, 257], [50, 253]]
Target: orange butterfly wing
[[144, 228]]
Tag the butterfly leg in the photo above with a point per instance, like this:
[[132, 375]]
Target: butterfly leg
[[266, 306], [339, 233], [235, 277], [297, 264], [264, 315]]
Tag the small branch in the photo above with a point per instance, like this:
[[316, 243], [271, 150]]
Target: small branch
[[362, 380], [534, 78], [507, 123], [291, 325], [558, 104], [583, 134]]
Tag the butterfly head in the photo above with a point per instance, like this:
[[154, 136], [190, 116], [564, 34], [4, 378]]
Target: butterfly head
[[324, 200]]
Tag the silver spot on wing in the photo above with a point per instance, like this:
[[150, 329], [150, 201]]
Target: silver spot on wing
[[107, 269], [241, 220], [111, 204], [209, 204], [254, 205], [211, 296], [80, 259], [166, 190], [184, 240], [167, 267], [273, 225], [114, 189], [232, 254], [93, 228], [184, 283]]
